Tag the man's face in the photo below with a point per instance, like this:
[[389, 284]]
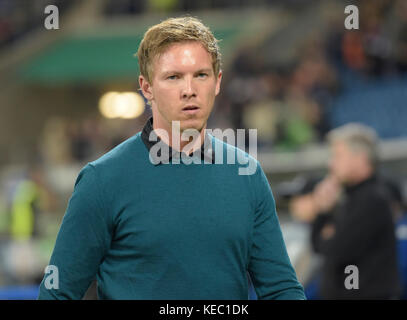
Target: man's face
[[183, 86], [343, 161]]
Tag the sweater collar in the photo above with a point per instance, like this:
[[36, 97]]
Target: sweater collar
[[162, 157]]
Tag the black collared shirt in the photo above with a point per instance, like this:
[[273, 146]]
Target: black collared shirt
[[150, 138]]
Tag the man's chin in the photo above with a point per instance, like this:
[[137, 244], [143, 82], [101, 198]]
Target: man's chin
[[343, 179], [192, 124]]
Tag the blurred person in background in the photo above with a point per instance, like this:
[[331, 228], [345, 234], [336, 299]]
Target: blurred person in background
[[355, 226], [31, 198]]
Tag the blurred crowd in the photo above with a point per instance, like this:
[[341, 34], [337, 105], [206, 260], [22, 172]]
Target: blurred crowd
[[291, 103], [20, 17], [66, 141], [120, 7]]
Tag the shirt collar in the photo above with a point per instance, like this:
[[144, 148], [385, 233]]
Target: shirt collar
[[206, 154], [370, 180]]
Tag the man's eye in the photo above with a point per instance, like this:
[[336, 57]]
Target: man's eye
[[173, 77], [202, 75]]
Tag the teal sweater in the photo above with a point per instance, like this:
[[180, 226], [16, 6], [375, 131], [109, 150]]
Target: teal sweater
[[170, 231]]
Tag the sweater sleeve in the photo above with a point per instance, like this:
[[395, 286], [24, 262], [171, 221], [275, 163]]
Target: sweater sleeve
[[82, 241], [269, 266]]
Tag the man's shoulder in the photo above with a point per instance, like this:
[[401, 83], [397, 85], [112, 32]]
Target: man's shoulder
[[235, 158], [375, 191], [228, 148], [373, 199], [120, 156]]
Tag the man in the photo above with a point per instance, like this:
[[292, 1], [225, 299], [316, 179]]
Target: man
[[149, 229], [359, 230]]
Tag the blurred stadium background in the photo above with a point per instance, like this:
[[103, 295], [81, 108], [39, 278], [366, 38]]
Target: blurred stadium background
[[291, 70]]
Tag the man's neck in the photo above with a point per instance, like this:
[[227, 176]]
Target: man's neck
[[361, 176], [173, 138]]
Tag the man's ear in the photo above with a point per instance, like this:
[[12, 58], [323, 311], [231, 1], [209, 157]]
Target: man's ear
[[218, 81], [145, 88]]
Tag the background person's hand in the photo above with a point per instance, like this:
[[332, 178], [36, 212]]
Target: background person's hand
[[328, 231], [326, 194]]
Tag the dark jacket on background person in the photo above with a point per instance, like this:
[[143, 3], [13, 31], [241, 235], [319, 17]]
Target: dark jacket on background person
[[364, 237]]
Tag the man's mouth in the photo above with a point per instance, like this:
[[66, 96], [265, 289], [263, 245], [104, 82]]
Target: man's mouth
[[190, 109]]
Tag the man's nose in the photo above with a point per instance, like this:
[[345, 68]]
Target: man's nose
[[188, 89]]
